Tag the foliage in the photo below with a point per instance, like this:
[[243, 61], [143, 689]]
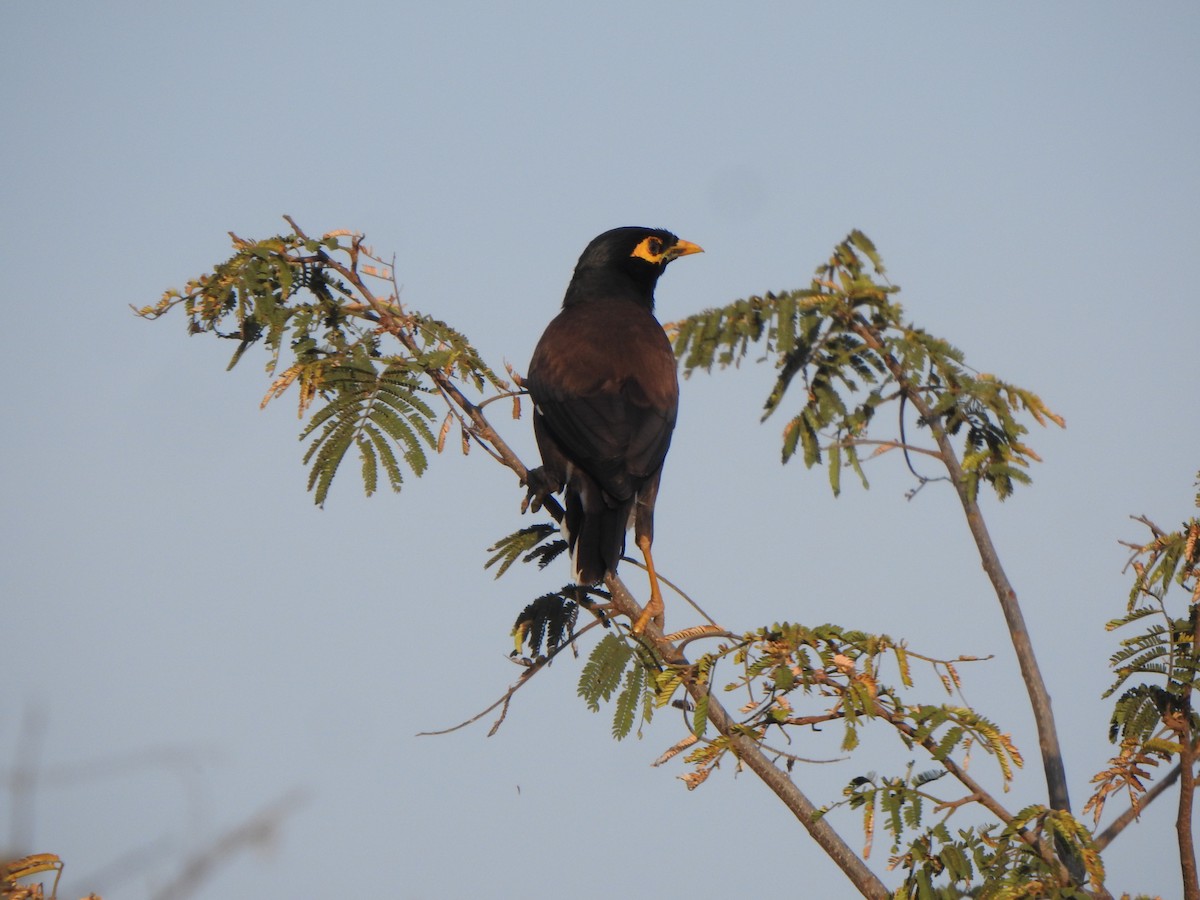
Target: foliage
[[308, 303], [797, 677], [1000, 860], [372, 409], [531, 541], [846, 338], [1154, 719], [14, 871], [548, 623], [369, 372]]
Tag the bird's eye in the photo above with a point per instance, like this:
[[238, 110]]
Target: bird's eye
[[652, 249]]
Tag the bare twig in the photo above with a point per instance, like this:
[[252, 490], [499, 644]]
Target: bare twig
[[259, 830], [882, 447], [533, 668], [1183, 821], [677, 589]]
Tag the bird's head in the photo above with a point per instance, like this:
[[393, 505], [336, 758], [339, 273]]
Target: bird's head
[[634, 254]]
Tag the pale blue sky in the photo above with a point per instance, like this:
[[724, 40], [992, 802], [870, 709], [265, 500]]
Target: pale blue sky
[[1028, 172]]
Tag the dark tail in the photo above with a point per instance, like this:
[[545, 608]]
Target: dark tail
[[595, 526]]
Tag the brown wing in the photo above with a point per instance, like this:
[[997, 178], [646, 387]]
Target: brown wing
[[603, 381]]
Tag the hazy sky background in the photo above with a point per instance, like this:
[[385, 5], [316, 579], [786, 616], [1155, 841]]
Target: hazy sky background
[[197, 640]]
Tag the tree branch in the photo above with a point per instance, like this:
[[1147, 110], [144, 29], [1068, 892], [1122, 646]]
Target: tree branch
[[978, 792], [1035, 685], [751, 755], [397, 326], [867, 883], [623, 602], [1039, 698], [388, 315], [1187, 783]]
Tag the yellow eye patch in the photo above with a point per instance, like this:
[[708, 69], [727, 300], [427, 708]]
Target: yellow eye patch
[[650, 249]]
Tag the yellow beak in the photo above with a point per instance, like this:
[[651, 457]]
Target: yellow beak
[[683, 248]]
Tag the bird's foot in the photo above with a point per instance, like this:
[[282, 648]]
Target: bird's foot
[[652, 612], [540, 484], [654, 606]]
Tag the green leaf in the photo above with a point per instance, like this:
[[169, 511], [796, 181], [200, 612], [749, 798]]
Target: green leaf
[[844, 341], [509, 549], [835, 468], [602, 673], [626, 707], [368, 409], [549, 621], [784, 678], [700, 715]]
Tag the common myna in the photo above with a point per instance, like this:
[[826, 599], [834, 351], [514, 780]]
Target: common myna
[[605, 396]]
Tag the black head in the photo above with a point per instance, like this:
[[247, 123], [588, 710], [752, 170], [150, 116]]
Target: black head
[[632, 256]]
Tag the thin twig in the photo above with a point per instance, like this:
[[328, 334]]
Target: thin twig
[[501, 396], [535, 667], [481, 428], [260, 829], [884, 446], [677, 589]]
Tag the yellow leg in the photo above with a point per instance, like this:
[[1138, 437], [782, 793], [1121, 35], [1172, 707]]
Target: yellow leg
[[654, 606]]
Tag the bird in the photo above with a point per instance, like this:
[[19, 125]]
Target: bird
[[605, 396]]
